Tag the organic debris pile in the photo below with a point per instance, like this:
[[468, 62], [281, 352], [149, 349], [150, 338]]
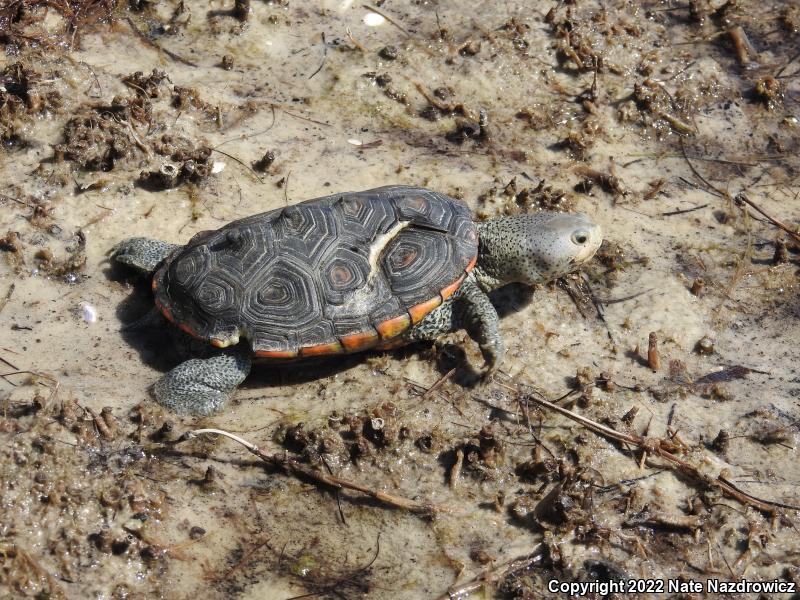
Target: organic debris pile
[[26, 23], [22, 99], [127, 129]]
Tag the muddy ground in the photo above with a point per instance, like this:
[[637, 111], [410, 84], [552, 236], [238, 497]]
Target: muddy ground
[[674, 124]]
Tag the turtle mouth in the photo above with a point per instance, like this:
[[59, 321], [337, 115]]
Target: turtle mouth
[[584, 255]]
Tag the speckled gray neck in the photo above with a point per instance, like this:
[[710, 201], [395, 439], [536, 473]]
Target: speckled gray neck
[[500, 242], [489, 268]]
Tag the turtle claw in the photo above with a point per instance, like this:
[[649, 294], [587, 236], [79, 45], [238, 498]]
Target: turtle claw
[[493, 355], [487, 372]]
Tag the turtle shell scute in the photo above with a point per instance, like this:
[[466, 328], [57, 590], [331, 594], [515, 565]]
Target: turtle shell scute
[[419, 260], [281, 296], [306, 231], [344, 273]]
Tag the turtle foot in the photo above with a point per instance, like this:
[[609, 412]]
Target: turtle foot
[[202, 386]]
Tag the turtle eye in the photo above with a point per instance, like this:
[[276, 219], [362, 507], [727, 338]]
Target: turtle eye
[[580, 237]]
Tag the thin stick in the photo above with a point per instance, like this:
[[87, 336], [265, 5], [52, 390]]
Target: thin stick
[[510, 568], [152, 44], [653, 447], [324, 57], [682, 211], [299, 470], [4, 300], [388, 18], [709, 188], [301, 117], [17, 200], [241, 162], [9, 363], [286, 188], [606, 302], [354, 40], [741, 197], [439, 382]]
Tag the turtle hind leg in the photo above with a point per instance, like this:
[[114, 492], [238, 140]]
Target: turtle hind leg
[[142, 254], [201, 386]]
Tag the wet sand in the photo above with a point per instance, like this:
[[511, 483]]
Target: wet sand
[[659, 121]]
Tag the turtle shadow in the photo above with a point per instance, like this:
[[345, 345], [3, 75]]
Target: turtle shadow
[[146, 331], [161, 346], [269, 374], [140, 326], [511, 298], [114, 271]]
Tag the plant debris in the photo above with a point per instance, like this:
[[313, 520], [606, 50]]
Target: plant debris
[[22, 99]]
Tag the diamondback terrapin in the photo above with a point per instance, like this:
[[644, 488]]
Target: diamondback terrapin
[[342, 274]]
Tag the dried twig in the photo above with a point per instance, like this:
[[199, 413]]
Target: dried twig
[[155, 46], [335, 587], [241, 162], [282, 461], [446, 107], [682, 211], [741, 45], [608, 301], [354, 41], [652, 351], [661, 448], [4, 300], [742, 198], [301, 117], [709, 188], [439, 383], [388, 18], [9, 363], [608, 181], [455, 472], [510, 568], [324, 56]]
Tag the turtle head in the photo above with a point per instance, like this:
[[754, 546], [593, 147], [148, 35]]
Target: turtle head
[[534, 248]]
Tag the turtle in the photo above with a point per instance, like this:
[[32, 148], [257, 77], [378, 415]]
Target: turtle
[[341, 274]]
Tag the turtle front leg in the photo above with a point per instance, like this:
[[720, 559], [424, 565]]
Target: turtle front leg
[[479, 317], [142, 254], [470, 309], [201, 386]]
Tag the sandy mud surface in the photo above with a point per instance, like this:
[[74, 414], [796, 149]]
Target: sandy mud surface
[[645, 421]]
